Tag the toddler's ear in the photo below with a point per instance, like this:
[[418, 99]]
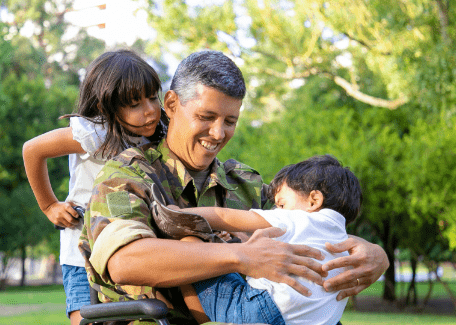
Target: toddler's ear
[[315, 200], [170, 102]]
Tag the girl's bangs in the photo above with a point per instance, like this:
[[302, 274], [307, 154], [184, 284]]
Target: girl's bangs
[[138, 81]]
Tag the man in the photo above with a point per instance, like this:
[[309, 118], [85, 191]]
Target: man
[[124, 256]]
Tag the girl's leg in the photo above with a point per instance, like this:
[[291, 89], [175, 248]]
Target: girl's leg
[[77, 291], [75, 317], [189, 294]]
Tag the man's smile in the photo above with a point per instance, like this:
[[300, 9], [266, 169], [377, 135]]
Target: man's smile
[[208, 145]]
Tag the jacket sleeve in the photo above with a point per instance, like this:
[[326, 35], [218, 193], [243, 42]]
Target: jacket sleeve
[[118, 214]]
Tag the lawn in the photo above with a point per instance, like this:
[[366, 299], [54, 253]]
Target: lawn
[[46, 305]]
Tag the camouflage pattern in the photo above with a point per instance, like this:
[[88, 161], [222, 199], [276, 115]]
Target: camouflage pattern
[[119, 211], [178, 224]]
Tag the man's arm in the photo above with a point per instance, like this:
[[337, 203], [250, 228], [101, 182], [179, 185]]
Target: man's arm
[[169, 263], [125, 248], [230, 219]]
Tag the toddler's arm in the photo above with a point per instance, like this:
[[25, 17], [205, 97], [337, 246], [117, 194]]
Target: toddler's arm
[[230, 219], [35, 152]]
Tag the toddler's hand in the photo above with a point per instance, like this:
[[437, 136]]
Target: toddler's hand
[[224, 235], [62, 214]]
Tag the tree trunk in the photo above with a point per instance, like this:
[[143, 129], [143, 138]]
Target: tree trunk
[[447, 288], [412, 286], [23, 257], [54, 271], [389, 290], [429, 293]]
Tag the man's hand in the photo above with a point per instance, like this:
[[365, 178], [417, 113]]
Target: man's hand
[[277, 261], [366, 263], [62, 214]]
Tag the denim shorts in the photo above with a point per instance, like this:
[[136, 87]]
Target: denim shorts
[[230, 299], [77, 288]]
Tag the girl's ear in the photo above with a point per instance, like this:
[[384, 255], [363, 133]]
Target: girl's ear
[[315, 200], [170, 103]]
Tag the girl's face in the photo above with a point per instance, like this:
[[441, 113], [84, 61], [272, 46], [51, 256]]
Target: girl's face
[[142, 116]]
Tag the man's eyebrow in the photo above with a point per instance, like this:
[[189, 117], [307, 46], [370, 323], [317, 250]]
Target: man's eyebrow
[[210, 112]]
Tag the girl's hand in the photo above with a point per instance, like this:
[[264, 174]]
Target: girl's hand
[[62, 214]]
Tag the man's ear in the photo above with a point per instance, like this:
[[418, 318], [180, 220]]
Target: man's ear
[[315, 201], [171, 102]]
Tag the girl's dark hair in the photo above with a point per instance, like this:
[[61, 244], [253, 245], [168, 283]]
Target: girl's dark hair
[[340, 187], [115, 80]]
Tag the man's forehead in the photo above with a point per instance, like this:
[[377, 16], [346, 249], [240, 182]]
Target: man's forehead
[[207, 98]]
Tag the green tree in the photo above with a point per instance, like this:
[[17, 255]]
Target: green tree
[[30, 107], [320, 75]]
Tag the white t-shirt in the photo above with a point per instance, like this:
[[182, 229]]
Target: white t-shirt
[[83, 171], [314, 230]]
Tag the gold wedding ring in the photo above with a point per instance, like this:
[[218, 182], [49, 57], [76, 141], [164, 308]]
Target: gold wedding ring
[[358, 281]]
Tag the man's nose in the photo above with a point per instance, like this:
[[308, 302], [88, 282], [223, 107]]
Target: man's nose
[[217, 131]]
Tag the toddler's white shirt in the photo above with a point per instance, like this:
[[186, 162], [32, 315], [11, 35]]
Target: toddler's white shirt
[[314, 230]]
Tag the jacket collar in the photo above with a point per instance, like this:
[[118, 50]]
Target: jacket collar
[[178, 170]]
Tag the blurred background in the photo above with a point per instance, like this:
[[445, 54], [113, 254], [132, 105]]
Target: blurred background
[[370, 82]]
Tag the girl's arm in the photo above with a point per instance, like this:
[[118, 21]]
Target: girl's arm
[[35, 152], [230, 219]]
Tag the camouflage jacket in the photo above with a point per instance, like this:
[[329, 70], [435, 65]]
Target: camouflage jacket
[[119, 211]]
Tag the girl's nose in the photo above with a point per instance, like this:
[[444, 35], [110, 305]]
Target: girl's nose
[[151, 108]]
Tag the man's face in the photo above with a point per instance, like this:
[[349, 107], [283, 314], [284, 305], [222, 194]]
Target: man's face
[[200, 129]]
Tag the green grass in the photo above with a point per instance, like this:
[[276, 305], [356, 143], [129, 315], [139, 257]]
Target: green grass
[[33, 305], [438, 291], [33, 295], [46, 305], [45, 316], [357, 318]]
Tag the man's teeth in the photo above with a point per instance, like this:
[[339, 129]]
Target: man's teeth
[[208, 145]]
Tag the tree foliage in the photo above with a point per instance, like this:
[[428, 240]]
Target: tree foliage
[[39, 82], [370, 82]]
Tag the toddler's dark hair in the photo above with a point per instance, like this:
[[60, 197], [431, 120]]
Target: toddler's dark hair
[[340, 187]]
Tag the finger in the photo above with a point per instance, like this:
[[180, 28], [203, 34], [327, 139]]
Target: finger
[[270, 232], [64, 223], [67, 220], [72, 212], [306, 273], [311, 264], [296, 285], [350, 292], [307, 251], [345, 280], [344, 261], [340, 247]]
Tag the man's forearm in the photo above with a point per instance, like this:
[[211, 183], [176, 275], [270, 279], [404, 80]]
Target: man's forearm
[[169, 263]]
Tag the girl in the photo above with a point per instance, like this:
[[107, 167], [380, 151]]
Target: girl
[[118, 108]]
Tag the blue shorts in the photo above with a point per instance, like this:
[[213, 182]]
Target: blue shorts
[[230, 299], [77, 288]]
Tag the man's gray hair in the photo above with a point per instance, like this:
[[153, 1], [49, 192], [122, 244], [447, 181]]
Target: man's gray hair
[[211, 69]]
